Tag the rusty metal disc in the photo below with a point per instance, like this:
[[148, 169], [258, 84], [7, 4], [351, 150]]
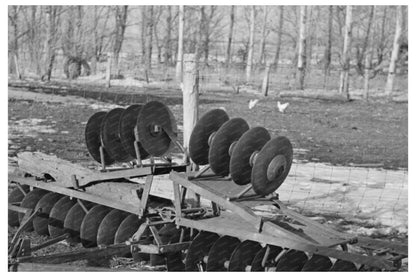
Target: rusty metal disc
[[272, 165], [292, 260], [220, 252], [93, 138], [128, 120], [111, 138], [243, 255], [317, 263], [127, 228], [58, 214], [16, 196], [154, 122], [90, 225], [345, 266], [209, 123], [250, 142], [46, 203], [257, 263], [73, 220], [109, 225], [198, 249], [30, 201], [219, 151]]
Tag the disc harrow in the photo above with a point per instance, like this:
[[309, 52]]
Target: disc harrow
[[143, 204]]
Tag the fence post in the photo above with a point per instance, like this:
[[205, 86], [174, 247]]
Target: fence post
[[265, 85], [108, 72], [190, 91]]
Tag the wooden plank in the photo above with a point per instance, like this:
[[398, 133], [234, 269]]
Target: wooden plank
[[113, 202], [227, 225], [91, 253]]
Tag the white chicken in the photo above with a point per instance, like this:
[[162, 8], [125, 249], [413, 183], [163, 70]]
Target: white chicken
[[282, 107], [252, 103]]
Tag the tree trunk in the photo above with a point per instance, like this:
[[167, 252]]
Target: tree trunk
[[263, 36], [200, 37], [395, 51], [120, 28], [362, 54], [168, 48], [344, 78], [143, 34], [368, 55], [381, 43], [251, 44], [14, 47], [230, 37], [149, 39], [328, 47], [302, 48], [51, 13], [179, 61], [279, 36]]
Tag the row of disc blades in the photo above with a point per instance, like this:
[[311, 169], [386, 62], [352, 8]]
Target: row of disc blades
[[85, 222], [249, 155], [115, 132], [212, 252]]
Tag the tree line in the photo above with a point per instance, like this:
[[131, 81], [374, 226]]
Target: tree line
[[365, 39]]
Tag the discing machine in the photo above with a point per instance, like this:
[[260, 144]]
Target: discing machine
[[213, 206]]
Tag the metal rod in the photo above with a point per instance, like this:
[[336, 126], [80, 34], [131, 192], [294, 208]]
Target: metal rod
[[50, 242], [82, 205], [239, 195], [199, 173], [19, 186], [102, 158]]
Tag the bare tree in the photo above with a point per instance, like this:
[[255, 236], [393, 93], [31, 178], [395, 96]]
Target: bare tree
[[344, 78], [149, 40], [50, 43], [13, 43], [302, 48], [279, 36], [230, 36], [368, 54], [158, 42], [251, 43], [328, 46], [143, 33], [382, 41], [168, 40], [395, 51], [361, 53], [179, 61], [264, 33], [120, 28]]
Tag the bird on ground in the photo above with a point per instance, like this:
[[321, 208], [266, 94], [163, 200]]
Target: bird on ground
[[252, 103], [282, 107]]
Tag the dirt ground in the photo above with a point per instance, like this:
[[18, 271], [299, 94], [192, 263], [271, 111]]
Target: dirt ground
[[328, 132]]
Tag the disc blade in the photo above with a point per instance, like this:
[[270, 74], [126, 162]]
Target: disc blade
[[58, 214], [93, 138], [220, 252], [73, 220], [164, 234], [127, 123], [154, 121], [30, 201], [15, 196], [209, 123], [127, 228], [175, 260], [251, 141], [46, 203], [345, 266], [293, 260], [90, 225], [111, 138], [198, 249], [279, 146], [108, 227], [317, 263], [243, 255], [219, 156], [257, 264]]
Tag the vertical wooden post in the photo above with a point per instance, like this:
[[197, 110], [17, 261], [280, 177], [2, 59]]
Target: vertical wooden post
[[265, 85], [190, 90], [108, 72]]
